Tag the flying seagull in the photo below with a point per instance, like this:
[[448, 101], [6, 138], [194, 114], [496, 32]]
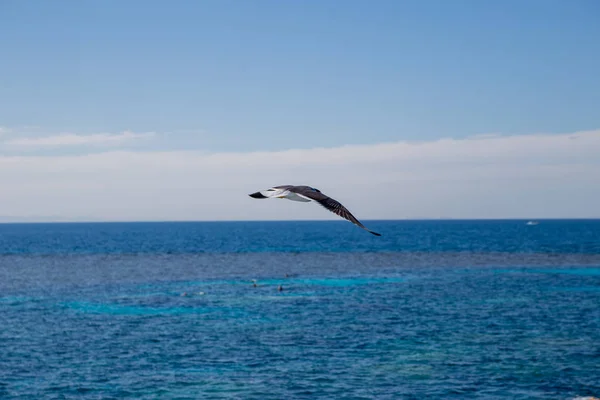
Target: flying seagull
[[306, 194]]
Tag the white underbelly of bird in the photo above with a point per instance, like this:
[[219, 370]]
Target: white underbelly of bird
[[294, 197]]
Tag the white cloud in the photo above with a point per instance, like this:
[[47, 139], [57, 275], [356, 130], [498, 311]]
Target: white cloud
[[70, 139], [529, 176]]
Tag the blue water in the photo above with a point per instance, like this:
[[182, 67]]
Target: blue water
[[432, 309]]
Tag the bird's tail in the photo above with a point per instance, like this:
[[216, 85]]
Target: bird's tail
[[258, 195]]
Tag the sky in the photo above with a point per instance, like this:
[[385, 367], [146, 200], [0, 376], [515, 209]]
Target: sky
[[153, 110]]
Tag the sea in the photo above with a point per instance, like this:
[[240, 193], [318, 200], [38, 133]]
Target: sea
[[432, 309]]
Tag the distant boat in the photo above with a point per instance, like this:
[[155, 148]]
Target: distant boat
[[532, 223]]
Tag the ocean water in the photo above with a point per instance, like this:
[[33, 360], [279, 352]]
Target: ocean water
[[432, 309]]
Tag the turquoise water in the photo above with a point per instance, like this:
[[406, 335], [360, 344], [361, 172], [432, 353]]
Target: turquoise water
[[432, 309]]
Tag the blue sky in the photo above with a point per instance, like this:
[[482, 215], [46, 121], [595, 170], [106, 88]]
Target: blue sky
[[273, 75], [82, 78]]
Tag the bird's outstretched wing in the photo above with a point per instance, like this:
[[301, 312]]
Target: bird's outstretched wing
[[330, 204]]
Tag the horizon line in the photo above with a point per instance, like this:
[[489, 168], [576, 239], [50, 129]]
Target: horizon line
[[297, 220]]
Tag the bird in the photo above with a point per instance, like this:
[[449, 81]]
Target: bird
[[307, 194]]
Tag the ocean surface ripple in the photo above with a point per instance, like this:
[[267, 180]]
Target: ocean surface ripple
[[432, 309]]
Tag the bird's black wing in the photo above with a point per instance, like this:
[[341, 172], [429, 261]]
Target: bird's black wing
[[329, 203]]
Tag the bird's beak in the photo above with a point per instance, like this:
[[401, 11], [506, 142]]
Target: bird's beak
[[257, 195]]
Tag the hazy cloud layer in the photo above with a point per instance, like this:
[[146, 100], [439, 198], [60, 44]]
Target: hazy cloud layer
[[487, 176], [71, 139]]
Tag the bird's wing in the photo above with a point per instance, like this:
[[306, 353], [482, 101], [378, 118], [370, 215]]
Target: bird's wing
[[329, 203]]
